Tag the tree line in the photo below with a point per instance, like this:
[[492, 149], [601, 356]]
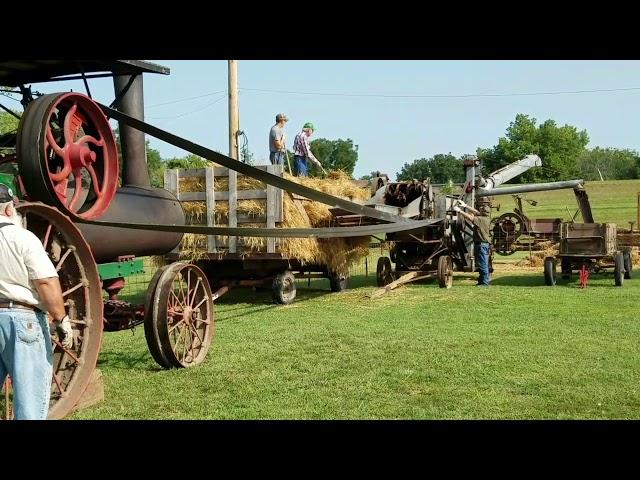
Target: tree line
[[562, 150]]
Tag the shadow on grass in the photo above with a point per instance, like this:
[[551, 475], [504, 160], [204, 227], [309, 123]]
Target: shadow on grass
[[250, 300], [538, 281], [128, 361]]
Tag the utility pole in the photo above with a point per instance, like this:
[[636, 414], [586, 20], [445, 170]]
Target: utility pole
[[234, 120], [234, 127]]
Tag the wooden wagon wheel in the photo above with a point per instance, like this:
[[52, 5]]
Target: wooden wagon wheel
[[445, 271], [182, 321], [283, 288]]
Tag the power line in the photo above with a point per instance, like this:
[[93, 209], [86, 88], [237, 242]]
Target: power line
[[444, 96], [185, 99], [191, 111]]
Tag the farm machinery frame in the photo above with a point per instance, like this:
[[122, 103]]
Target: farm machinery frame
[[446, 245]]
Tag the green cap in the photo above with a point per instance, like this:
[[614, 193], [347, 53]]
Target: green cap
[[309, 125]]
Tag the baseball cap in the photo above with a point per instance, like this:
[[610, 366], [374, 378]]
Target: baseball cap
[[6, 194], [281, 116], [309, 125]]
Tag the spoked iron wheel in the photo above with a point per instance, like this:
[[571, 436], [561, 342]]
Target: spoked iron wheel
[[384, 275], [283, 287], [338, 281], [445, 271], [80, 283], [506, 229], [67, 154], [182, 315]]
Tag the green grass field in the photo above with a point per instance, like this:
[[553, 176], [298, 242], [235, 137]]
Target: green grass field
[[518, 350], [611, 201]]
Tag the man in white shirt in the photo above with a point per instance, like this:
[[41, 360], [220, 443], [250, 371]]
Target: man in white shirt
[[29, 287]]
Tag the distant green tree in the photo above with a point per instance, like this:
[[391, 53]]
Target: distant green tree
[[441, 168], [558, 148], [246, 155], [189, 161], [155, 164], [334, 155], [612, 163], [368, 176], [8, 123]]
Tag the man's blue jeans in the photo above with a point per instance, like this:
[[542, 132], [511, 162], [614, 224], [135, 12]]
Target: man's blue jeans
[[300, 165], [276, 158], [482, 251], [26, 354]]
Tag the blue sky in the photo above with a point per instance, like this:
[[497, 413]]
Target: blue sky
[[388, 131]]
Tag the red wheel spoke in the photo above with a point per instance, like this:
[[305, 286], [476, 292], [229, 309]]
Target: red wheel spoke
[[64, 257], [90, 139], [57, 381], [54, 145], [78, 189], [68, 134], [94, 180], [184, 300], [177, 299], [67, 351], [73, 289], [195, 292], [200, 303], [184, 343], [176, 325], [188, 287], [46, 236], [180, 331], [196, 332], [61, 188]]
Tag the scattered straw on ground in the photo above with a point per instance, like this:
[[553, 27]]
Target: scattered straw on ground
[[536, 259]]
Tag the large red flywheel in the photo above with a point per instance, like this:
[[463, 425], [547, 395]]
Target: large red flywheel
[[67, 154]]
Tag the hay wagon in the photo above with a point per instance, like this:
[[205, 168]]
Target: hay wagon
[[588, 248], [217, 196]]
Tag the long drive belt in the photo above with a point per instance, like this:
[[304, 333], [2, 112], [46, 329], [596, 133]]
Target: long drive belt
[[398, 223]]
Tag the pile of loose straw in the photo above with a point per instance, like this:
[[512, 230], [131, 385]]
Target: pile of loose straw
[[336, 253]]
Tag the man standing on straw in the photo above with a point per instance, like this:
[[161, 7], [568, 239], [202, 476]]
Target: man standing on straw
[[276, 140], [302, 151]]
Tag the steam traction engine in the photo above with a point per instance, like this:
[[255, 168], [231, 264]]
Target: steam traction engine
[[63, 162]]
